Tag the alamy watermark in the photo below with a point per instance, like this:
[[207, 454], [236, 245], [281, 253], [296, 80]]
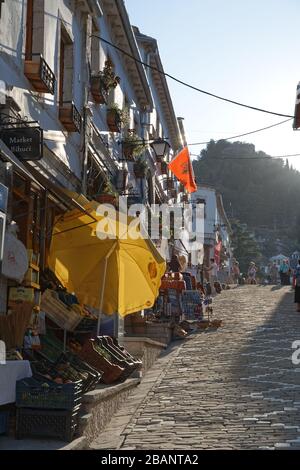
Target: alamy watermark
[[2, 92], [2, 353], [157, 221], [296, 353]]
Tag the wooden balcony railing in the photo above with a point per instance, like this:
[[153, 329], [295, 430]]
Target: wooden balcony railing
[[40, 75], [70, 117]]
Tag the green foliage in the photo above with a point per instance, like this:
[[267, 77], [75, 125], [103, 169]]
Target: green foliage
[[134, 144], [141, 166], [261, 192], [123, 114], [108, 78], [245, 247], [108, 188]]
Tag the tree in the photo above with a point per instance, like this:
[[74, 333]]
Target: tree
[[262, 192], [245, 248]]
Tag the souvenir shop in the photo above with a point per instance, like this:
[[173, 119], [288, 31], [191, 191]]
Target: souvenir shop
[[51, 352]]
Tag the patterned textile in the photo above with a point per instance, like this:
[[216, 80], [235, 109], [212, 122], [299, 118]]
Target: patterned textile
[[192, 304]]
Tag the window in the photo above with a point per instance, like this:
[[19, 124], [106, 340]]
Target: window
[[95, 51], [65, 68], [203, 202], [29, 30], [95, 178], [34, 28], [1, 1]]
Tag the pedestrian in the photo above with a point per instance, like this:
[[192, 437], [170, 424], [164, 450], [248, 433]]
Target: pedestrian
[[236, 272], [252, 273], [274, 273], [213, 271], [297, 286], [174, 264], [284, 273]]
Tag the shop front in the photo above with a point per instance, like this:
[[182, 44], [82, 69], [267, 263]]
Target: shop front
[[60, 333]]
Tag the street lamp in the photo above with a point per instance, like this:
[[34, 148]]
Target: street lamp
[[161, 149]]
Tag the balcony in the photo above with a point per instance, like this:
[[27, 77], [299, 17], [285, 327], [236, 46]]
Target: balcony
[[98, 91], [40, 75], [70, 117]]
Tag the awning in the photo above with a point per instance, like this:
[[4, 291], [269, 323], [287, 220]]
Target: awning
[[68, 198]]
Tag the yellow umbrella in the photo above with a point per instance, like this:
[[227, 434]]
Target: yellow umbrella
[[119, 274]]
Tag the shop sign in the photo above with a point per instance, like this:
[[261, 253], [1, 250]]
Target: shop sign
[[26, 143]]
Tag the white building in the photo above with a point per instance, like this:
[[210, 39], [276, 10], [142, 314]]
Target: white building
[[216, 225], [53, 57]]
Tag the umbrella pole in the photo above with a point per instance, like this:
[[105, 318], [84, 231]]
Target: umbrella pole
[[103, 286]]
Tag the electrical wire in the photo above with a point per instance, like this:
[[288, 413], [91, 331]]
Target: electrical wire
[[246, 133], [187, 84], [266, 157], [149, 141]]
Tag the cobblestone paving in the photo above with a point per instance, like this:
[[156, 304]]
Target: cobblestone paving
[[233, 388]]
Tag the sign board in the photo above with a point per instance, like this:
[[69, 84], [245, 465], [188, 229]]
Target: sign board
[[26, 143]]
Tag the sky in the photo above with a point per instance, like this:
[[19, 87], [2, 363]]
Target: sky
[[243, 50]]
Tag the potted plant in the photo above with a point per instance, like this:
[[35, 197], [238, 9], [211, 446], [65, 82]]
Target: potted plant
[[108, 195], [140, 168], [116, 117], [164, 168], [133, 146], [102, 82]]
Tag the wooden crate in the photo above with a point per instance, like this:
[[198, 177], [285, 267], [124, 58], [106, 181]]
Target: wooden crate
[[62, 315], [33, 258], [32, 276]]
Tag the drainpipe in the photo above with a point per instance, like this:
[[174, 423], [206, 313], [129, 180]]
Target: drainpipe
[[87, 114]]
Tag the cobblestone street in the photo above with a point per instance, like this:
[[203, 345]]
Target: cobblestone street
[[233, 388]]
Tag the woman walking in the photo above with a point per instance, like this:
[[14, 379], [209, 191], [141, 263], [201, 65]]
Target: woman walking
[[252, 273], [236, 272], [297, 286]]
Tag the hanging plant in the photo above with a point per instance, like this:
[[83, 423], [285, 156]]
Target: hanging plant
[[104, 81], [116, 117], [133, 146], [107, 195], [140, 168]]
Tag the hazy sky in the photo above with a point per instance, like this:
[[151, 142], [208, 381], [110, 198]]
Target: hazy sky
[[245, 50]]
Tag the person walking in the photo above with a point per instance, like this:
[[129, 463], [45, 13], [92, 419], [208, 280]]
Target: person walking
[[284, 273], [297, 286], [274, 273], [252, 273], [213, 270], [174, 264], [236, 272]]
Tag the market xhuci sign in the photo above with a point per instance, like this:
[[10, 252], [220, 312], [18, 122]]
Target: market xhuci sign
[[26, 143]]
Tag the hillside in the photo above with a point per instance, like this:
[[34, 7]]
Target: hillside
[[261, 192]]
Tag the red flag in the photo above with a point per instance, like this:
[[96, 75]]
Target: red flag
[[182, 168]]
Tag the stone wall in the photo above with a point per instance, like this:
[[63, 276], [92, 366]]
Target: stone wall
[[145, 349], [99, 406]]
